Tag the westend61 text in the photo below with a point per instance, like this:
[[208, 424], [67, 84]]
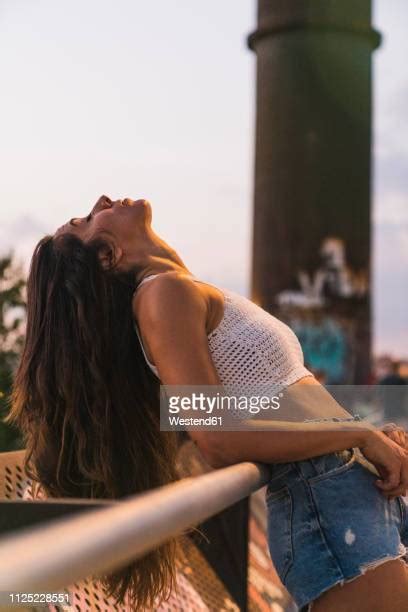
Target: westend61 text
[[211, 421], [208, 403]]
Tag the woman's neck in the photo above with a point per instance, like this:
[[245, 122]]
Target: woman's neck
[[152, 255], [162, 258], [160, 265]]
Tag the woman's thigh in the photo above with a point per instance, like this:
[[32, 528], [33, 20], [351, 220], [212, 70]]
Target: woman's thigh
[[382, 589]]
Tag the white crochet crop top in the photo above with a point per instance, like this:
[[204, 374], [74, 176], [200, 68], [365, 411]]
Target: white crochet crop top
[[250, 346]]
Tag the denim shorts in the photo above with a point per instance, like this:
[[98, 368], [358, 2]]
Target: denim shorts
[[328, 523]]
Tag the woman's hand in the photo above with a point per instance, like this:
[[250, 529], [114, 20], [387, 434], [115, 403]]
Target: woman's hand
[[396, 434], [390, 459]]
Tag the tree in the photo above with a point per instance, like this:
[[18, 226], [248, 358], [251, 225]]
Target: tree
[[12, 317]]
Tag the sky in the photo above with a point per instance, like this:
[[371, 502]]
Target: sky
[[156, 99]]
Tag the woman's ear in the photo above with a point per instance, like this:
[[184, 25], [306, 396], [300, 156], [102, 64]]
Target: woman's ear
[[110, 255]]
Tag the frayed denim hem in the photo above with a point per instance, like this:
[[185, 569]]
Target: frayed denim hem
[[365, 567]]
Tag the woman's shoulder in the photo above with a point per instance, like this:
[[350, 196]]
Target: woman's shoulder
[[167, 295]]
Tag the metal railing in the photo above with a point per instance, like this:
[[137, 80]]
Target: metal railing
[[99, 541]]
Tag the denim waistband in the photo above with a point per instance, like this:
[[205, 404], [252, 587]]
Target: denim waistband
[[315, 466]]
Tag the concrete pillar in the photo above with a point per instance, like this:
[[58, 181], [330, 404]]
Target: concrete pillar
[[311, 239]]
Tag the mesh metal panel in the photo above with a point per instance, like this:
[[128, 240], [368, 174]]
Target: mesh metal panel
[[198, 587], [198, 590], [12, 478]]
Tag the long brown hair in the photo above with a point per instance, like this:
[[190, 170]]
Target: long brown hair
[[85, 400]]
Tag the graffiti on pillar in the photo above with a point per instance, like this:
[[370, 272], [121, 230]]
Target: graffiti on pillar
[[332, 279], [326, 348]]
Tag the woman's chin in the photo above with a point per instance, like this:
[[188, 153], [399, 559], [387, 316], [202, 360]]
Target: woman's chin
[[147, 208], [128, 202], [141, 206]]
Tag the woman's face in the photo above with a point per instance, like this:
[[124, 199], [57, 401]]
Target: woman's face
[[123, 221]]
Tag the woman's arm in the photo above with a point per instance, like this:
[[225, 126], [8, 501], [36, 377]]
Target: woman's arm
[[172, 315]]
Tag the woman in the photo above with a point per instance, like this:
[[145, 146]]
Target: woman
[[86, 398]]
